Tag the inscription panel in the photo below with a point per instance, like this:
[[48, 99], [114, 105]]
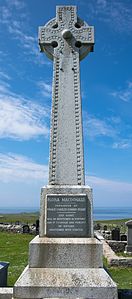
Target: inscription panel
[[66, 215]]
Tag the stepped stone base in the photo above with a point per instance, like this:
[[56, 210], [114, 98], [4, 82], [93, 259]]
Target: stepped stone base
[[36, 283], [65, 253], [6, 293]]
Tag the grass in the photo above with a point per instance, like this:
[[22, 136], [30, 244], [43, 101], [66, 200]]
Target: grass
[[14, 249], [29, 218], [122, 276]]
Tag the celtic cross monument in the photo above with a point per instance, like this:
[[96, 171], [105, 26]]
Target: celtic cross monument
[[65, 260]]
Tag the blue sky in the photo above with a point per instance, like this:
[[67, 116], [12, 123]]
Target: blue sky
[[25, 101]]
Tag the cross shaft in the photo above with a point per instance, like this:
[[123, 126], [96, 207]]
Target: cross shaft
[[66, 39]]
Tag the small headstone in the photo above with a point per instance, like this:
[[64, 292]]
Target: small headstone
[[97, 226], [26, 229], [129, 236], [116, 234], [17, 222], [105, 227]]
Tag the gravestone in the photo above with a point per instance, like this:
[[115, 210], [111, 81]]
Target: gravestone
[[37, 226], [105, 227], [115, 234], [26, 229], [128, 247], [65, 260], [17, 222]]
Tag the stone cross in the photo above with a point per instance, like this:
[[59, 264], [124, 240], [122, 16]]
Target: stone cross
[[66, 39]]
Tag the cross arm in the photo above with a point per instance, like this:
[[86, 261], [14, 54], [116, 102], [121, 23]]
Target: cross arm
[[85, 35], [47, 36]]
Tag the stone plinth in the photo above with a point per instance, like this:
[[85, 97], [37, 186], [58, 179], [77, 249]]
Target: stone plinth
[[65, 253], [6, 293], [65, 283], [74, 219]]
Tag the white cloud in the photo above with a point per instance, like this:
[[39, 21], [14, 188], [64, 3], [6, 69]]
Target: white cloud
[[110, 192], [110, 127], [117, 14], [18, 4], [123, 144], [45, 89], [110, 185], [14, 17], [20, 118], [18, 168], [125, 94], [4, 76], [102, 2], [95, 127]]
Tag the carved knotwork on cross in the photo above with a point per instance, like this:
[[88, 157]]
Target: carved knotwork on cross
[[66, 30]]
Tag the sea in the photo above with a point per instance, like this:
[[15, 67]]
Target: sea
[[99, 213]]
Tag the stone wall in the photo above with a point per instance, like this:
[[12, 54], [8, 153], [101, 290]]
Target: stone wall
[[117, 246], [110, 255], [16, 228]]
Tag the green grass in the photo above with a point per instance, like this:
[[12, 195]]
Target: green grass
[[122, 276], [14, 249], [29, 218]]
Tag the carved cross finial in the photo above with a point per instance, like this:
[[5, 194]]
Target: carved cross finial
[[66, 30]]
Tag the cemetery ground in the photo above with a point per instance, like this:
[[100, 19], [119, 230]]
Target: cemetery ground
[[14, 249]]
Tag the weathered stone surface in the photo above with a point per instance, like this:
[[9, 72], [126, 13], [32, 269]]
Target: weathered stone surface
[[65, 253], [67, 191], [6, 293], [65, 283]]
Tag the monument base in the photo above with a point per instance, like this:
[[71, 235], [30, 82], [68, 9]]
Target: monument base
[[65, 253], [65, 283], [67, 266]]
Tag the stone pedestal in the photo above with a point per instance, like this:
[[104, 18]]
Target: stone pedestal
[[65, 253], [88, 283], [65, 267]]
